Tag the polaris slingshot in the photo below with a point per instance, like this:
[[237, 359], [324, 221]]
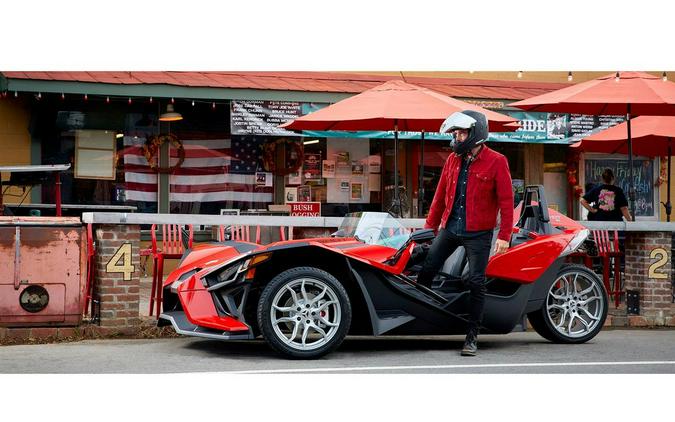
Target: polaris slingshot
[[304, 296]]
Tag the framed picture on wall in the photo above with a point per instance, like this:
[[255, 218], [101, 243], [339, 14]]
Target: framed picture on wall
[[304, 193], [356, 190], [290, 194], [344, 185], [329, 169], [295, 178]]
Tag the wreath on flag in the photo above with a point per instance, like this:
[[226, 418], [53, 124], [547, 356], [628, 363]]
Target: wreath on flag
[[293, 161], [151, 149]]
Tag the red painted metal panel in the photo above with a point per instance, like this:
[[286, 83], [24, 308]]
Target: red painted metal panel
[[200, 310], [52, 256]]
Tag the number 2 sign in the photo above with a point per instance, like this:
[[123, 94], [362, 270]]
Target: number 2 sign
[[660, 262]]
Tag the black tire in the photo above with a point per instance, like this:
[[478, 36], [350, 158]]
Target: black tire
[[541, 319], [278, 287]]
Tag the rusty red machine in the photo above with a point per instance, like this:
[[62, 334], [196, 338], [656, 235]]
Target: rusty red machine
[[43, 265]]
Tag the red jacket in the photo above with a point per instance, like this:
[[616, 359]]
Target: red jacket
[[488, 190]]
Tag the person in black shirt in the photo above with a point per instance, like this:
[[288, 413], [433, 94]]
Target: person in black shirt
[[606, 202]]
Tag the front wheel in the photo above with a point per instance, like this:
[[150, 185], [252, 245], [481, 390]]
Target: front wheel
[[575, 307], [304, 313]]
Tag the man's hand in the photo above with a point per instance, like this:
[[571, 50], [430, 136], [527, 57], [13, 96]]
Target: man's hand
[[501, 246]]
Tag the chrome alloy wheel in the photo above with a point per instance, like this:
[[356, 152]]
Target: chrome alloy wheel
[[305, 313], [575, 304]]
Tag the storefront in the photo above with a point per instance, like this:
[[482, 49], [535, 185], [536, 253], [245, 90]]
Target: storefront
[[227, 155]]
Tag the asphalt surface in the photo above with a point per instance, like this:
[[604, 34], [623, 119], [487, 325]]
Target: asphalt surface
[[612, 351]]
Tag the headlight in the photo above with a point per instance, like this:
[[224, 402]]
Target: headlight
[[232, 272], [576, 241]]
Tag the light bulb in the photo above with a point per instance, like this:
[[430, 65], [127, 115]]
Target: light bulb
[[193, 103], [107, 100], [150, 100], [39, 96], [520, 74], [86, 97], [213, 105], [16, 94], [63, 97], [569, 77], [172, 100], [129, 101]]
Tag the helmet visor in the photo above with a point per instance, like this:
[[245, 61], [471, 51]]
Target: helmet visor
[[457, 120]]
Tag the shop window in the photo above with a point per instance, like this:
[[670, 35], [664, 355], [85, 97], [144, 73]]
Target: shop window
[[95, 154]]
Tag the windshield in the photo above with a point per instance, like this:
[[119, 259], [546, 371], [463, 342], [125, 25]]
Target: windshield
[[374, 228]]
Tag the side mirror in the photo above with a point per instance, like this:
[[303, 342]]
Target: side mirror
[[422, 235]]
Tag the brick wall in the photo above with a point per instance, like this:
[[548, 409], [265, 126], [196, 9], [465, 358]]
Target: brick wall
[[642, 253], [119, 297]]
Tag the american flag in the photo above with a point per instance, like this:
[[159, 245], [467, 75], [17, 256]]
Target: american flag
[[214, 170]]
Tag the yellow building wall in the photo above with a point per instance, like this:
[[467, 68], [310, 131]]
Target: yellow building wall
[[14, 141]]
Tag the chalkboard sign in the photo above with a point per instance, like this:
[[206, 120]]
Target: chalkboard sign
[[643, 180]]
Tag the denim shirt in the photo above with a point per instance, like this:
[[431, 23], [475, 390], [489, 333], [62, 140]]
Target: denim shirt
[[457, 221]]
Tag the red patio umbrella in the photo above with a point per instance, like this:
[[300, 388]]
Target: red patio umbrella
[[651, 137], [395, 105], [629, 93]]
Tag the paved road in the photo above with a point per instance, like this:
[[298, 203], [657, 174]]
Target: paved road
[[612, 351]]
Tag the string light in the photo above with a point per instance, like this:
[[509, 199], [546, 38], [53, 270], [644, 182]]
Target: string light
[[172, 100], [193, 103], [616, 78], [16, 94], [86, 97], [129, 101], [107, 100], [520, 74], [63, 97], [213, 105], [664, 77], [150, 100], [569, 77], [39, 96]]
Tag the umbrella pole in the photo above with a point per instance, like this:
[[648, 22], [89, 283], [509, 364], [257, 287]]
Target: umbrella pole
[[420, 187], [631, 188], [396, 205], [669, 207]]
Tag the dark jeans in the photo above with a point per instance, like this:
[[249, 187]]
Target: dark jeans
[[478, 252]]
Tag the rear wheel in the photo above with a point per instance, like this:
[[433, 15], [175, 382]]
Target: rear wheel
[[304, 313], [575, 307]]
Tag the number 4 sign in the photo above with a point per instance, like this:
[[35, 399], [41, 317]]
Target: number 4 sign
[[123, 254]]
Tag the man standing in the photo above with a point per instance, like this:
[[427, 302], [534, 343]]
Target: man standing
[[475, 179]]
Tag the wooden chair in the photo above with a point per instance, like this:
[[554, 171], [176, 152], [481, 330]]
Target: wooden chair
[[608, 248], [239, 233], [89, 287], [171, 248]]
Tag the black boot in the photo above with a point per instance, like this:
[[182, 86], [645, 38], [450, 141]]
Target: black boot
[[470, 343]]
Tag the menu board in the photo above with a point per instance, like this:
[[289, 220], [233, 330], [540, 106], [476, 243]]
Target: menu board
[[257, 117], [581, 125], [643, 180]]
